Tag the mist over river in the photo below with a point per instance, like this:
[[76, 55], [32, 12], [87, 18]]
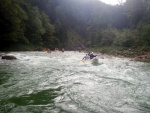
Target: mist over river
[[59, 82]]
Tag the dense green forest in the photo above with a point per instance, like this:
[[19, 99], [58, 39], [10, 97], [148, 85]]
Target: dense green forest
[[74, 24]]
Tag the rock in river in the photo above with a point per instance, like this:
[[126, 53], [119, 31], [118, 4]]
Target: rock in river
[[9, 57]]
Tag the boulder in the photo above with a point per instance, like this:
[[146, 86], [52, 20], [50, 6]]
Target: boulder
[[9, 57]]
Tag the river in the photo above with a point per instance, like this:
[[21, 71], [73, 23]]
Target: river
[[57, 82]]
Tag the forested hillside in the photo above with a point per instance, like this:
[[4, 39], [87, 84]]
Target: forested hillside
[[73, 24]]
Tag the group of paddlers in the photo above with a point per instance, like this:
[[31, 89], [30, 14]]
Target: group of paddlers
[[88, 56], [46, 50], [49, 51]]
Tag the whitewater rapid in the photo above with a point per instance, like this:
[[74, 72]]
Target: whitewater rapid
[[59, 82]]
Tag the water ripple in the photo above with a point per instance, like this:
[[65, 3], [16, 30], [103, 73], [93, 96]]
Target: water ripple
[[61, 83]]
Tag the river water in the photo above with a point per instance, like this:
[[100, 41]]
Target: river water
[[59, 82]]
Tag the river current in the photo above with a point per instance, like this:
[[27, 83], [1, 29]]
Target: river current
[[57, 82]]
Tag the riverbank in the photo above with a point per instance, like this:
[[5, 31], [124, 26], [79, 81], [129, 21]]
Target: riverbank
[[135, 54], [58, 82], [23, 47], [145, 57], [138, 55]]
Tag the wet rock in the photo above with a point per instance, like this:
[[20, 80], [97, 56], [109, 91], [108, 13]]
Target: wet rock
[[9, 57], [145, 57], [95, 62]]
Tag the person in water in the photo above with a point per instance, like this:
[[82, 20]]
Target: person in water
[[86, 57], [92, 55], [48, 51], [62, 49]]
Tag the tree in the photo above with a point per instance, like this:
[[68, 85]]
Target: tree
[[34, 26], [48, 38], [134, 11], [12, 18]]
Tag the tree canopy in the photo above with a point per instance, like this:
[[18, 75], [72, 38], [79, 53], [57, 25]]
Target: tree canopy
[[74, 24]]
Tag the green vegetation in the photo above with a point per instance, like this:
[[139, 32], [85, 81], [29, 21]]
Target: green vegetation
[[75, 25], [115, 50]]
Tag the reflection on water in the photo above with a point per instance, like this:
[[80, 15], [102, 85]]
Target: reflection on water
[[40, 98], [61, 83]]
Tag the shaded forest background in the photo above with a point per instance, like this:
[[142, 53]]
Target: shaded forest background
[[74, 24]]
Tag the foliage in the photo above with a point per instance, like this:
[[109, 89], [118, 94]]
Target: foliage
[[144, 31], [11, 21], [126, 38], [74, 24], [75, 41], [108, 36]]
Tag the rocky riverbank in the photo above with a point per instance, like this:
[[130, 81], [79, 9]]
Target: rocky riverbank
[[145, 57], [138, 55]]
